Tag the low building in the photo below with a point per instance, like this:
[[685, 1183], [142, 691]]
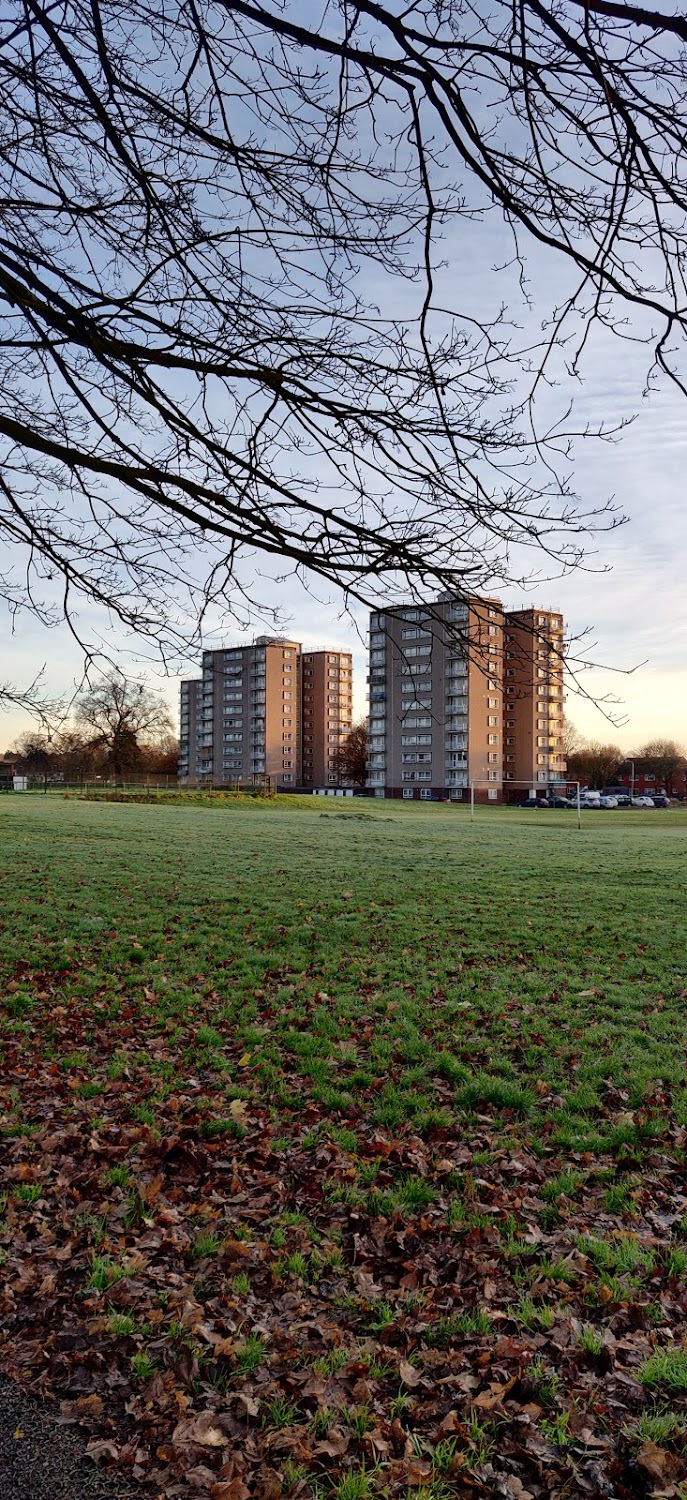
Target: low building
[[7, 774]]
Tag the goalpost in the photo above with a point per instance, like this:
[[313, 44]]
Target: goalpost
[[484, 782]]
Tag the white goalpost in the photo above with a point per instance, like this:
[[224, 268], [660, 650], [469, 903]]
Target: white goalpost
[[483, 782]]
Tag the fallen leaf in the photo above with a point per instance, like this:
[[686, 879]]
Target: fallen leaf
[[230, 1489], [269, 1485], [488, 1399], [409, 1375], [201, 1429], [653, 1459], [84, 1406], [99, 1448]]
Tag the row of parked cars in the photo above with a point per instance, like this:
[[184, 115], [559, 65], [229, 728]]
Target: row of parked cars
[[601, 801]]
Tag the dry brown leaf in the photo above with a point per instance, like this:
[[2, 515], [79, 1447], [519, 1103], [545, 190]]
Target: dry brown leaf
[[269, 1485], [653, 1460], [409, 1375], [230, 1489], [488, 1399], [84, 1406], [201, 1429], [102, 1448], [334, 1445]]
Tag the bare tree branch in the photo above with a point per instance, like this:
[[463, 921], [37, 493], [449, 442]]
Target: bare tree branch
[[224, 329]]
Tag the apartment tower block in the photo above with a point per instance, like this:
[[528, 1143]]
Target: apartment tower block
[[327, 687], [250, 715], [435, 698], [462, 693], [533, 697]]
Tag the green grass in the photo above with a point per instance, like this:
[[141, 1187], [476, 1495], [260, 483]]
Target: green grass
[[281, 1044], [665, 1367]]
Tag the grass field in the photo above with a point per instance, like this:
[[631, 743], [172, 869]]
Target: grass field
[[344, 1146]]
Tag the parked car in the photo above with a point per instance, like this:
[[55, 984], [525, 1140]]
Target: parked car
[[659, 799], [641, 802], [608, 802], [533, 802]]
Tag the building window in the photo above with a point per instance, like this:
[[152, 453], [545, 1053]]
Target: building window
[[492, 703], [492, 719], [287, 695], [492, 775], [492, 757], [492, 794], [288, 653], [425, 793], [510, 757], [492, 739], [407, 791]]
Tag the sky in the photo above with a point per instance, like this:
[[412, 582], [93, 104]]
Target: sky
[[627, 606]]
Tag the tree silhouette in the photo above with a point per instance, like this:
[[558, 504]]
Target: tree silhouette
[[118, 715], [350, 762]]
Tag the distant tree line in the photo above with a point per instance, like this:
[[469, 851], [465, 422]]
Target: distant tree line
[[598, 765], [118, 727]]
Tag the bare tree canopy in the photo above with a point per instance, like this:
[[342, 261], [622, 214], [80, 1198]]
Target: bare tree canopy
[[595, 763], [662, 757], [222, 326], [118, 715]]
